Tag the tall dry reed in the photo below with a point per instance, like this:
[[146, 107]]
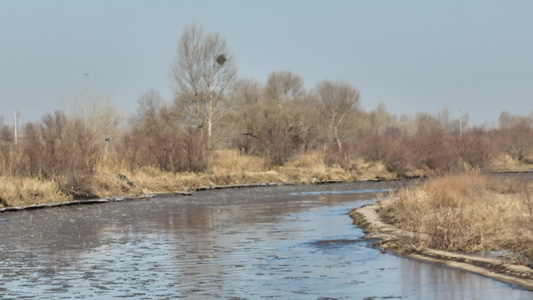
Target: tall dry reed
[[460, 213]]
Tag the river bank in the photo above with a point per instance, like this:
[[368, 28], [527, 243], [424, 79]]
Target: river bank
[[227, 169], [392, 238]]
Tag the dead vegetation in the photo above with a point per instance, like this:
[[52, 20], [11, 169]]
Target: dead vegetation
[[466, 213]]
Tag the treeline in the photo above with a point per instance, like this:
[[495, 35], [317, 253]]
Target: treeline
[[275, 120], [278, 120]]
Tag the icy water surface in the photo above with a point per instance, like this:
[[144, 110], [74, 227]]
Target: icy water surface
[[289, 242]]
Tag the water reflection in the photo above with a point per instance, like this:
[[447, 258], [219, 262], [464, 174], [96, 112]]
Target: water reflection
[[277, 242]]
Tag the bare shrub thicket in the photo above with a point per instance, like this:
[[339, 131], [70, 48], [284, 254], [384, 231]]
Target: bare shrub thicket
[[422, 144], [515, 137], [389, 150], [167, 152], [6, 148], [60, 149], [432, 147], [276, 135], [273, 121]]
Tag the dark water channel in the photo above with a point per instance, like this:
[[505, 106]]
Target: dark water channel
[[288, 242]]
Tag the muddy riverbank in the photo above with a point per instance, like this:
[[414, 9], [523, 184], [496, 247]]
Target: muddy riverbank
[[393, 239]]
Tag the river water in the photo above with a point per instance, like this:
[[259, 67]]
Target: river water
[[286, 242]]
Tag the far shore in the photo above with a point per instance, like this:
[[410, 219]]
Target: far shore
[[187, 191]]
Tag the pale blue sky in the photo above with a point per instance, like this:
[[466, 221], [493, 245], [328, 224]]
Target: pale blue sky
[[416, 56]]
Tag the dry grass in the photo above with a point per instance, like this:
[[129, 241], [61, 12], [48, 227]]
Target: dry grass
[[465, 213], [231, 167], [231, 161], [311, 159], [113, 177], [28, 191], [507, 163]]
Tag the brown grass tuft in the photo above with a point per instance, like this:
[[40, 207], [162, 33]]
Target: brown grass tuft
[[15, 191], [463, 213], [231, 161]]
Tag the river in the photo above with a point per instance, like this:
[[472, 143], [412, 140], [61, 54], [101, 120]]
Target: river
[[283, 242]]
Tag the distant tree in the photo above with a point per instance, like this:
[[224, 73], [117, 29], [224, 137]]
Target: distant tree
[[147, 117], [452, 126], [337, 101], [6, 134], [154, 116], [516, 135], [381, 119], [283, 86], [241, 120], [247, 91], [96, 116], [203, 71], [271, 122], [427, 125]]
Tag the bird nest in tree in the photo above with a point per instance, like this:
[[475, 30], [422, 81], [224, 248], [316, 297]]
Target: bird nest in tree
[[221, 59]]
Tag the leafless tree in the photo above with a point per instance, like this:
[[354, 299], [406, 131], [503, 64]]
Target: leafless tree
[[98, 117], [149, 119], [203, 71], [516, 132], [6, 134], [247, 91], [381, 119], [338, 101], [283, 86]]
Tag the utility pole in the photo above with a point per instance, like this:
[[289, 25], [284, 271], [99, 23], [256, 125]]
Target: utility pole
[[86, 85], [460, 123], [16, 125]]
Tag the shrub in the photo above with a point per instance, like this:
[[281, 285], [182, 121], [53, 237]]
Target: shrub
[[62, 150], [389, 150], [168, 152], [277, 143], [516, 141], [433, 152], [476, 151]]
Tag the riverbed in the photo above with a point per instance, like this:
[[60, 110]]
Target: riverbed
[[282, 242]]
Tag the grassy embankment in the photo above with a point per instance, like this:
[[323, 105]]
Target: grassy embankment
[[227, 167], [465, 213]]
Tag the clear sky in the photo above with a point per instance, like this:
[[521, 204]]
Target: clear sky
[[473, 57]]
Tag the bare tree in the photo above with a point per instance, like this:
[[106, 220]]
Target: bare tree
[[283, 86], [516, 133], [381, 119], [338, 101], [148, 120], [6, 134], [202, 72], [99, 117], [246, 92], [240, 116]]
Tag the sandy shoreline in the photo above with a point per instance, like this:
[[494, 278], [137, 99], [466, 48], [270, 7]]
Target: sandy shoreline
[[390, 238]]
